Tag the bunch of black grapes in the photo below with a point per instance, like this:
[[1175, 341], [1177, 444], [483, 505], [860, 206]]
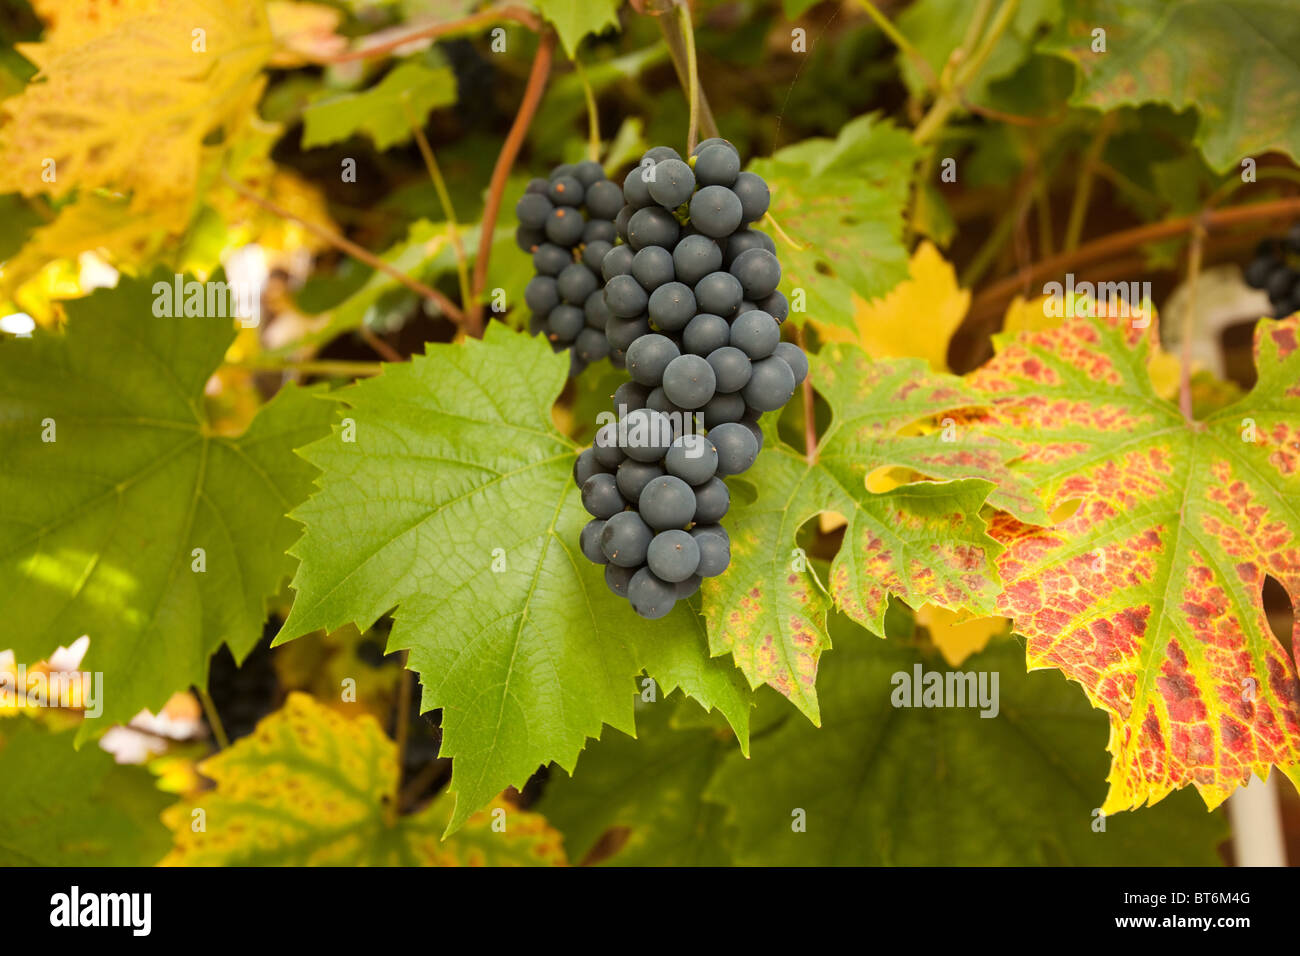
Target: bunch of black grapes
[[567, 223], [693, 305], [1276, 270]]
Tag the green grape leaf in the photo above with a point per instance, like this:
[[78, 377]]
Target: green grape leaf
[[923, 542], [101, 524], [456, 504], [943, 786], [842, 202], [937, 27], [1234, 61], [574, 20], [384, 112], [652, 786], [310, 788], [65, 807], [1150, 594]]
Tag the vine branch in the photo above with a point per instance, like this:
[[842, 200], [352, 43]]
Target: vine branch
[[1119, 242], [383, 42], [343, 244], [541, 69]]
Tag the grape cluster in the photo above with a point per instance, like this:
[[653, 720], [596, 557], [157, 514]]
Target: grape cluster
[[567, 223], [694, 311], [1276, 270]]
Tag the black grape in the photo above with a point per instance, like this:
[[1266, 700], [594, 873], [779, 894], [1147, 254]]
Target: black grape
[[692, 458], [717, 165], [625, 297], [758, 271], [714, 551], [793, 356], [617, 262], [625, 538], [600, 496], [673, 183], [695, 256], [770, 386], [634, 475], [712, 499], [705, 334], [617, 578], [719, 293], [648, 357], [753, 195], [666, 502], [736, 447], [653, 226], [688, 381], [731, 368], [715, 211], [674, 555], [652, 267], [756, 334], [651, 597], [671, 306]]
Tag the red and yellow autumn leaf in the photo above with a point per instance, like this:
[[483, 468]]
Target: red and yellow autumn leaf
[[1150, 594]]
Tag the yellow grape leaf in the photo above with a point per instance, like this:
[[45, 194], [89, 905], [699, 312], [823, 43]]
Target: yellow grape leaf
[[915, 319], [98, 223], [309, 788], [127, 94], [304, 32], [956, 638]]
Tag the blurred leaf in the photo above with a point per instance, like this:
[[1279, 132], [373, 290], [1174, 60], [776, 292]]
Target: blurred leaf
[[65, 807], [309, 788], [915, 319], [576, 19], [937, 28], [842, 201], [385, 111], [943, 786], [103, 539], [653, 785], [1232, 60], [145, 130]]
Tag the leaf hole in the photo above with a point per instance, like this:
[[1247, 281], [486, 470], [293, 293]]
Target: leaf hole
[[1065, 510], [1279, 611]]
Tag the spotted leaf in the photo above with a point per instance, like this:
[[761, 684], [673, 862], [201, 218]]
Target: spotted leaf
[[1150, 594], [924, 542], [309, 787]]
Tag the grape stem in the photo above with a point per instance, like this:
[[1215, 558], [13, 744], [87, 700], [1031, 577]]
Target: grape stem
[[346, 245], [677, 52], [768, 217], [903, 43], [402, 724], [537, 76], [593, 114], [692, 77], [214, 719], [1083, 187], [444, 197], [809, 411], [341, 368], [1189, 317]]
